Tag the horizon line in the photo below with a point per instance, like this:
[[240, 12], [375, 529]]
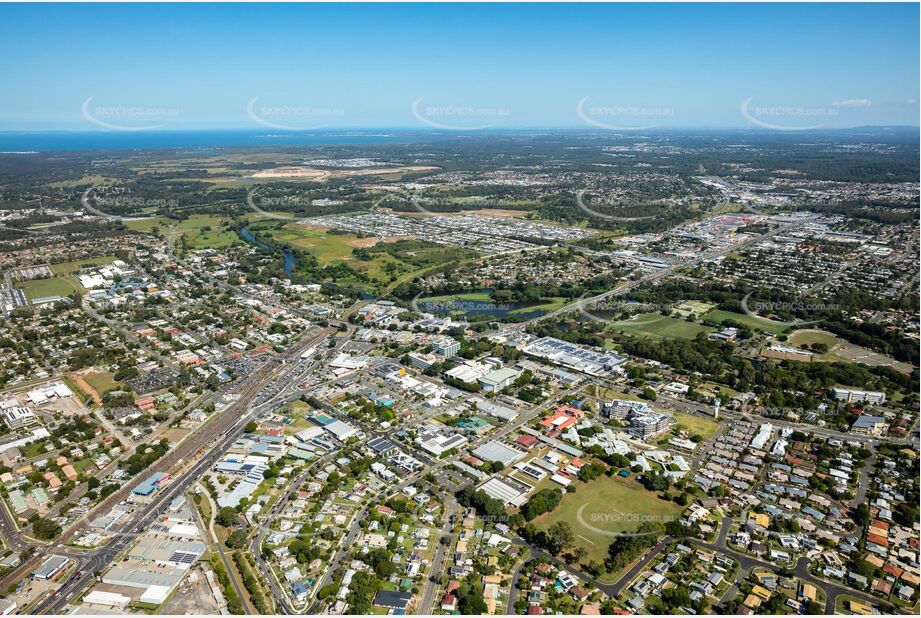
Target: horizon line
[[461, 131]]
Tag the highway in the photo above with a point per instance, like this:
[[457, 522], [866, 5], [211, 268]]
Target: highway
[[14, 537], [209, 443]]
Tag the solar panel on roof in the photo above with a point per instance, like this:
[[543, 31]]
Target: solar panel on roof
[[183, 557]]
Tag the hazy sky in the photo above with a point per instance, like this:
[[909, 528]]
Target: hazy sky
[[88, 67]]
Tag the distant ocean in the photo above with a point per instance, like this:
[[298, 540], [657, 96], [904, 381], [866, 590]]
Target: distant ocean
[[121, 140], [59, 141]]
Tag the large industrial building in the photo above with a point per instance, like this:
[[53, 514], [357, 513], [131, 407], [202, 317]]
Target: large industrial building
[[150, 484], [496, 451], [497, 380], [574, 356]]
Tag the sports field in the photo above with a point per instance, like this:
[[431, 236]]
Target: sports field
[[763, 324], [657, 326], [810, 336], [55, 286], [601, 508]]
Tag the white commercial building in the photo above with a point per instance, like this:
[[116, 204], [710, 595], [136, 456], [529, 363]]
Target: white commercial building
[[761, 438], [155, 595], [852, 395], [19, 417], [437, 441], [469, 372], [493, 409], [496, 451], [107, 599], [48, 392], [341, 430]]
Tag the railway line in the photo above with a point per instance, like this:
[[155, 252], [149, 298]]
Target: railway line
[[202, 449]]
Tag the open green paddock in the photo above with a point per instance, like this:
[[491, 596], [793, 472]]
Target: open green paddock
[[751, 321], [657, 326], [65, 268], [697, 425], [600, 509], [200, 231], [103, 381]]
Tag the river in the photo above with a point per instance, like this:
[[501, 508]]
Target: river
[[287, 254]]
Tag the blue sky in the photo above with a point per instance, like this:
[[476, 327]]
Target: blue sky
[[181, 66]]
